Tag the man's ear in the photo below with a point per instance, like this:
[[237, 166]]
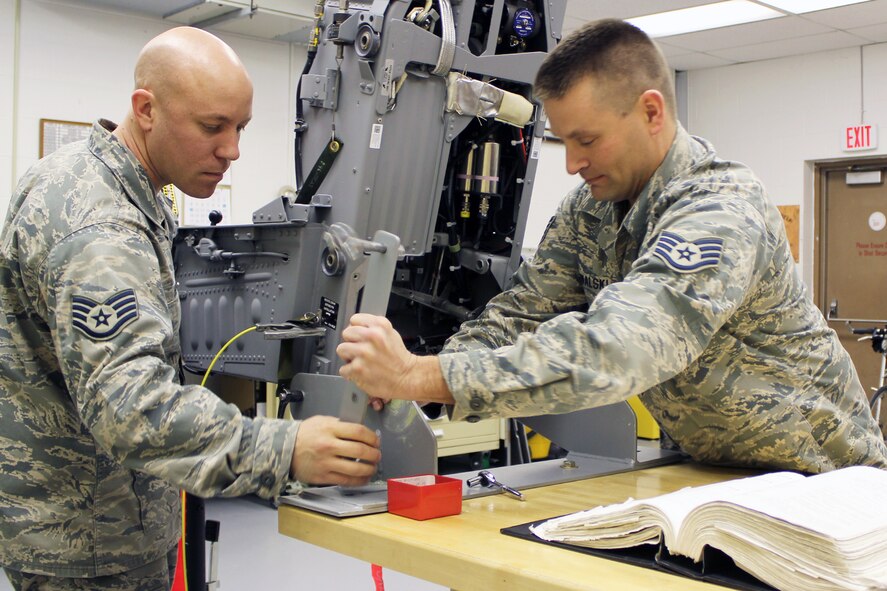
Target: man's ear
[[653, 105], [143, 108]]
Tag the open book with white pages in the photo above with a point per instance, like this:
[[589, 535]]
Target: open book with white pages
[[791, 531]]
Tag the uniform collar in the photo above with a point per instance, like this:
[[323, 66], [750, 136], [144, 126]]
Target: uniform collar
[[123, 164], [686, 153]]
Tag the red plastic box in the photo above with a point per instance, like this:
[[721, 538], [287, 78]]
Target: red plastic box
[[425, 496]]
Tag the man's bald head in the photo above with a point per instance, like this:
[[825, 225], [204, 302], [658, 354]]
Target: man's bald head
[[192, 99], [176, 61]]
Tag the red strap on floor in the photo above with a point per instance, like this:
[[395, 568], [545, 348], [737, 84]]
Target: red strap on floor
[[180, 583], [377, 578]]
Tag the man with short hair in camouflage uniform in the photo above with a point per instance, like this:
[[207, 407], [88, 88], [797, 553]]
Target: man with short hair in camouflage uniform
[[666, 274], [97, 434]]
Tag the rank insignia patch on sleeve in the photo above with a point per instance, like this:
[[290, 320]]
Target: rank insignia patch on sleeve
[[688, 257], [101, 321]]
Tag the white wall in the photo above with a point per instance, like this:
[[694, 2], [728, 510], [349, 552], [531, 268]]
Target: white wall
[[76, 64], [7, 56], [552, 184], [779, 116]]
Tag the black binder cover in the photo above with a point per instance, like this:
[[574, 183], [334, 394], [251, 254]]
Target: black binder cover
[[716, 567]]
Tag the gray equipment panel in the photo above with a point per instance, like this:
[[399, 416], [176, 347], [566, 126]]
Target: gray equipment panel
[[399, 150], [233, 277]]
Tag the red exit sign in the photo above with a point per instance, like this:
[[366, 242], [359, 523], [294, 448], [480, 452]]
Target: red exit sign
[[860, 137]]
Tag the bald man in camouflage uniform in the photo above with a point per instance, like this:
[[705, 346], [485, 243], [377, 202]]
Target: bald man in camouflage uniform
[[667, 274], [96, 432]]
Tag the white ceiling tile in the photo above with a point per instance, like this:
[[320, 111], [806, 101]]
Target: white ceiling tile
[[270, 26], [588, 10], [790, 35], [697, 61], [786, 47], [852, 16], [876, 33], [747, 34], [155, 7], [671, 50]]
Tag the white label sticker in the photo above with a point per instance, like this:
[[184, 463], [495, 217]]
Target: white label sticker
[[386, 82], [535, 148], [877, 221], [376, 136]]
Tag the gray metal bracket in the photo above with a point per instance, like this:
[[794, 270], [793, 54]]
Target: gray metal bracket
[[573, 467], [605, 431], [368, 80], [284, 209], [400, 424], [601, 441], [321, 90], [484, 262]]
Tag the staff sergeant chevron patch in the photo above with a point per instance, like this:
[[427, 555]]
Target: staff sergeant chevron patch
[[102, 321], [688, 257]]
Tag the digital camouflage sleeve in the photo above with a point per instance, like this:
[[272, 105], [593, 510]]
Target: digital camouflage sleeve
[[689, 299], [96, 433]]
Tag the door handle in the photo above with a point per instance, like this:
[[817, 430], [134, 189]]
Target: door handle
[[832, 316]]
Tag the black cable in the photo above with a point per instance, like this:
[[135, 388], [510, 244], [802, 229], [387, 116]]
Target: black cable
[[300, 124], [498, 210], [879, 393], [195, 541]]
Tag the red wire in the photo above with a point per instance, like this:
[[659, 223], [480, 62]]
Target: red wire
[[523, 146]]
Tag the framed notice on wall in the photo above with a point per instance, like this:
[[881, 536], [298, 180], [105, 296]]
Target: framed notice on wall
[[55, 133], [195, 212]]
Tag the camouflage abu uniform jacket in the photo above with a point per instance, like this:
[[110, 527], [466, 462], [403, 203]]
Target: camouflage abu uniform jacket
[[689, 299], [96, 433]]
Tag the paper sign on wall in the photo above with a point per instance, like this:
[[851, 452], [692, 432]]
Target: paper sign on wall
[[195, 212]]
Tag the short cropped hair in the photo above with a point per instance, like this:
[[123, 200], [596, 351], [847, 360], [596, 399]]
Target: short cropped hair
[[615, 53]]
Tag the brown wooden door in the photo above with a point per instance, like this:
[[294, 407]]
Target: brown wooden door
[[851, 231]]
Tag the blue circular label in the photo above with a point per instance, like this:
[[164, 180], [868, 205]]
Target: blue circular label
[[524, 22]]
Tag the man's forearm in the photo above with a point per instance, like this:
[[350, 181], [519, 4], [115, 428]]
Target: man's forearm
[[428, 383]]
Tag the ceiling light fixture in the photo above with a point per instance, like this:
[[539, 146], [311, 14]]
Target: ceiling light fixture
[[701, 18], [802, 6]]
